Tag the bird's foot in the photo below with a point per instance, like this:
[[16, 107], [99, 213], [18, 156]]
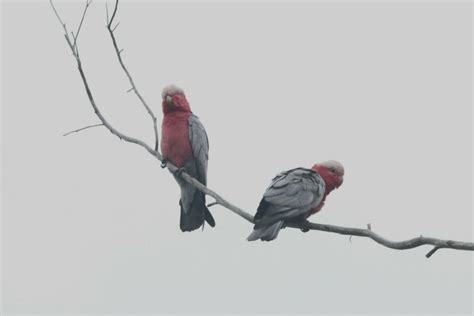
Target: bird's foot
[[304, 226], [179, 171], [164, 163]]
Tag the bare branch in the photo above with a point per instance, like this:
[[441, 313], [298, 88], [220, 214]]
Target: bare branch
[[58, 17], [83, 128], [70, 44], [88, 2], [219, 199], [113, 30], [107, 11], [400, 245], [63, 25], [304, 226], [130, 79], [91, 98], [113, 14], [432, 251], [102, 118]]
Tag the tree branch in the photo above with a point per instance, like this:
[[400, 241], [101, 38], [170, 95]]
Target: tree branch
[[89, 93], [83, 128], [130, 79], [155, 153], [107, 11], [399, 245], [88, 2], [305, 226]]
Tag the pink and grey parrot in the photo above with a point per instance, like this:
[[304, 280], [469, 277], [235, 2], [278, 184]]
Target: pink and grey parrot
[[293, 196], [184, 143]]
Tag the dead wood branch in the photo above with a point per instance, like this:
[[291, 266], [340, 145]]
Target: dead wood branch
[[400, 245]]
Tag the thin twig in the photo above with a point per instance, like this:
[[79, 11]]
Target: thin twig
[[130, 79], [432, 251], [401, 245], [83, 128], [91, 98], [102, 118], [82, 20], [63, 25], [107, 11], [113, 30], [113, 14], [57, 15]]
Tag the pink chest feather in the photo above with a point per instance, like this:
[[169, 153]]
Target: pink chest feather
[[175, 144], [317, 208]]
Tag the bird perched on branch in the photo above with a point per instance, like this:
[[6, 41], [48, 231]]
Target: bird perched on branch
[[184, 143], [293, 196]]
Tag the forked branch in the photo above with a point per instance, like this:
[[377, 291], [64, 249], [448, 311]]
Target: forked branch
[[304, 226], [132, 83]]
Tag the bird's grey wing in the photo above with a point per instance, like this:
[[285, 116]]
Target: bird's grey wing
[[200, 147], [291, 194]]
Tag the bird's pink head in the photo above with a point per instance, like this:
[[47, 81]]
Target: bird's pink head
[[174, 100], [332, 173]]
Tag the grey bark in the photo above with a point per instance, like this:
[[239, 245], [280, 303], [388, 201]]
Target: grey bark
[[400, 245]]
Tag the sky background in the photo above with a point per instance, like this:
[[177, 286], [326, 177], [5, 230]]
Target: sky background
[[90, 223]]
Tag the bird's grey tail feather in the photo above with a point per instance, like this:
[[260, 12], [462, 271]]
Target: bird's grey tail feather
[[195, 217], [266, 233], [208, 217]]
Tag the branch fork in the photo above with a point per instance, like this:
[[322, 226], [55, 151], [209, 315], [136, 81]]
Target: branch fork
[[219, 200]]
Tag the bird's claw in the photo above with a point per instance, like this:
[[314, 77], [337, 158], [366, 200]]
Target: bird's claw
[[164, 163], [178, 172], [304, 226]]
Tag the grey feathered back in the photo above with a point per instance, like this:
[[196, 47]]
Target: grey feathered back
[[292, 194], [200, 146]]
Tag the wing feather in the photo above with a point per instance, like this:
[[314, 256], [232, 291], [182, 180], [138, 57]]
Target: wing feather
[[291, 194], [200, 146]]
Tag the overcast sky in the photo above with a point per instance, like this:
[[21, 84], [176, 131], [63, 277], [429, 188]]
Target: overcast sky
[[90, 223]]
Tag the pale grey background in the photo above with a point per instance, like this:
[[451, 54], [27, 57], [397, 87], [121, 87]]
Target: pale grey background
[[90, 223]]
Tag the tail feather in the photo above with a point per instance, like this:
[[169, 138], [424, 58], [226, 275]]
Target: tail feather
[[194, 218], [266, 233], [208, 217]]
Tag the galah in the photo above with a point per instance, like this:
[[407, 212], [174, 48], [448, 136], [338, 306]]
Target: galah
[[184, 143], [293, 196]]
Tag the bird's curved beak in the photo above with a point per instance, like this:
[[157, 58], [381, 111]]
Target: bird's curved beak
[[169, 100]]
